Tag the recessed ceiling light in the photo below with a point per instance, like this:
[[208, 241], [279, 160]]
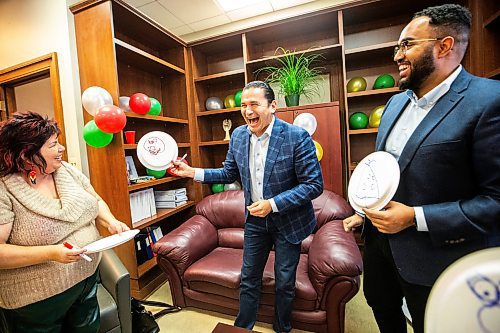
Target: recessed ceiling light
[[228, 5]]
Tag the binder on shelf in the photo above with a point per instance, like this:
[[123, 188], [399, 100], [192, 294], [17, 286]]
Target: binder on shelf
[[142, 205], [140, 248]]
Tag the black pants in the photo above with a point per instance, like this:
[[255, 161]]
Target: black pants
[[384, 288], [75, 310]]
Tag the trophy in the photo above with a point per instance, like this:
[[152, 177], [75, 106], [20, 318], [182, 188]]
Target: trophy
[[226, 125]]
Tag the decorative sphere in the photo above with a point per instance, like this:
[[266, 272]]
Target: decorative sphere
[[319, 150], [237, 98], [229, 102], [358, 120], [232, 187], [155, 108], [384, 81], [157, 174], [375, 115], [214, 103], [356, 84], [217, 188]]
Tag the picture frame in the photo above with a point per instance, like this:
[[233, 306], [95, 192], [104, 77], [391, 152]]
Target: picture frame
[[131, 170]]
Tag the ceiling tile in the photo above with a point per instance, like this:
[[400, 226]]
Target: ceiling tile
[[190, 11], [254, 10], [282, 4], [210, 23], [230, 5], [182, 30], [162, 16], [137, 3]]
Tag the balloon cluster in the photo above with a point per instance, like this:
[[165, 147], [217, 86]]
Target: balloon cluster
[[358, 83], [217, 188], [231, 101], [108, 118]]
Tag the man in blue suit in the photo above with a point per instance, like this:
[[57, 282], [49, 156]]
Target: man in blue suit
[[280, 174], [444, 131]]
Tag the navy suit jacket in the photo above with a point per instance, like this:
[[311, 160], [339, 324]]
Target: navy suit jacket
[[450, 167], [292, 176]]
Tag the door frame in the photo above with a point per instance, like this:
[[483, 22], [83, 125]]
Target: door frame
[[45, 66]]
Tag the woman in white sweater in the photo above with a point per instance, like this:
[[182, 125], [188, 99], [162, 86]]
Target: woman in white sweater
[[44, 202]]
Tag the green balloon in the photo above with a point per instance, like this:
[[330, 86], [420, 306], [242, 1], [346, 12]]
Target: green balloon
[[155, 108], [217, 188], [356, 84], [157, 174], [384, 81], [358, 120], [237, 98], [94, 137], [375, 114]]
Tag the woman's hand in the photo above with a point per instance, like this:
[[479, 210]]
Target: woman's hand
[[116, 227], [66, 256], [352, 222]]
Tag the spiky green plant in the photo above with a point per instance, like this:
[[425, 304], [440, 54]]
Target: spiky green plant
[[294, 74]]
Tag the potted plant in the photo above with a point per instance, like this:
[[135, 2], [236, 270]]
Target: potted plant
[[294, 74]]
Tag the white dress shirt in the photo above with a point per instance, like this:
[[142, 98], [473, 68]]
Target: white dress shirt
[[257, 161], [411, 117]]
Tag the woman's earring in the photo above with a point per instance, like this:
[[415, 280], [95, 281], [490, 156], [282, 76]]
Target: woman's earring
[[32, 175]]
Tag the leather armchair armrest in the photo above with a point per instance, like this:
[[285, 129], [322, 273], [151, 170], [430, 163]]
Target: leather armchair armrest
[[333, 252], [116, 280], [191, 241]]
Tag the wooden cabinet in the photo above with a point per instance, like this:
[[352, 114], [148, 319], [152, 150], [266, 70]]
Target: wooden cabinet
[[328, 135], [485, 45], [124, 53]]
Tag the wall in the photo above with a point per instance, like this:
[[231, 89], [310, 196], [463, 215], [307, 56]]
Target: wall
[[32, 28], [36, 95]]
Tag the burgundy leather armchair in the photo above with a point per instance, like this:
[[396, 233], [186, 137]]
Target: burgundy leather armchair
[[202, 260]]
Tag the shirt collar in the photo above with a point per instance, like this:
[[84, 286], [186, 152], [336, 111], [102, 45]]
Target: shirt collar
[[268, 131], [428, 100]]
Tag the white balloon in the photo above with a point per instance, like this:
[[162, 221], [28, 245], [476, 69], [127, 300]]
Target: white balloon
[[307, 121], [232, 187], [124, 103], [93, 98]]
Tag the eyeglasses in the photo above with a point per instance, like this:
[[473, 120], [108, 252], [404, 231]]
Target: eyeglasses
[[404, 45]]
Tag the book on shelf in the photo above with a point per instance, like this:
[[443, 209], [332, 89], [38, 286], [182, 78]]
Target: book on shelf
[[142, 205]]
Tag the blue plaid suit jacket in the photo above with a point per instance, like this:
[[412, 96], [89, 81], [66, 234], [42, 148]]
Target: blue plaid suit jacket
[[292, 176]]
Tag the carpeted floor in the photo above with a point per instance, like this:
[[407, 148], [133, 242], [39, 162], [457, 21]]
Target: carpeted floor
[[359, 318]]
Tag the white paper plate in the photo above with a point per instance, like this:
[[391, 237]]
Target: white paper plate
[[156, 150], [374, 181], [307, 121], [111, 241], [466, 296]]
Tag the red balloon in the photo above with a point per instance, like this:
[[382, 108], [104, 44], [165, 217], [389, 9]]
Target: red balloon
[[110, 119], [140, 103]]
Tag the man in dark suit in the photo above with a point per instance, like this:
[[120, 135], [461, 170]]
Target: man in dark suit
[[280, 174], [444, 131]]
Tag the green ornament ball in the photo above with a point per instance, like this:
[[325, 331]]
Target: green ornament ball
[[155, 173], [94, 137], [155, 108], [237, 98], [217, 188], [384, 81], [358, 120]]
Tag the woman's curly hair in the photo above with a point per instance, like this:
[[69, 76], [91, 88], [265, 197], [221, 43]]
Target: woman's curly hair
[[21, 138]]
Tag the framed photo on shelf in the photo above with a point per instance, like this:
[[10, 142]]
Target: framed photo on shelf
[[131, 170]]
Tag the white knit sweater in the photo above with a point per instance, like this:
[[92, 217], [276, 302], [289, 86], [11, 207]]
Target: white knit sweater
[[39, 220]]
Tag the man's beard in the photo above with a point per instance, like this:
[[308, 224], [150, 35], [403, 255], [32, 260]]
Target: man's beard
[[420, 70]]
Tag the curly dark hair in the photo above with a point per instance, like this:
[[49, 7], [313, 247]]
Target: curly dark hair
[[21, 138], [268, 91], [449, 20]]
